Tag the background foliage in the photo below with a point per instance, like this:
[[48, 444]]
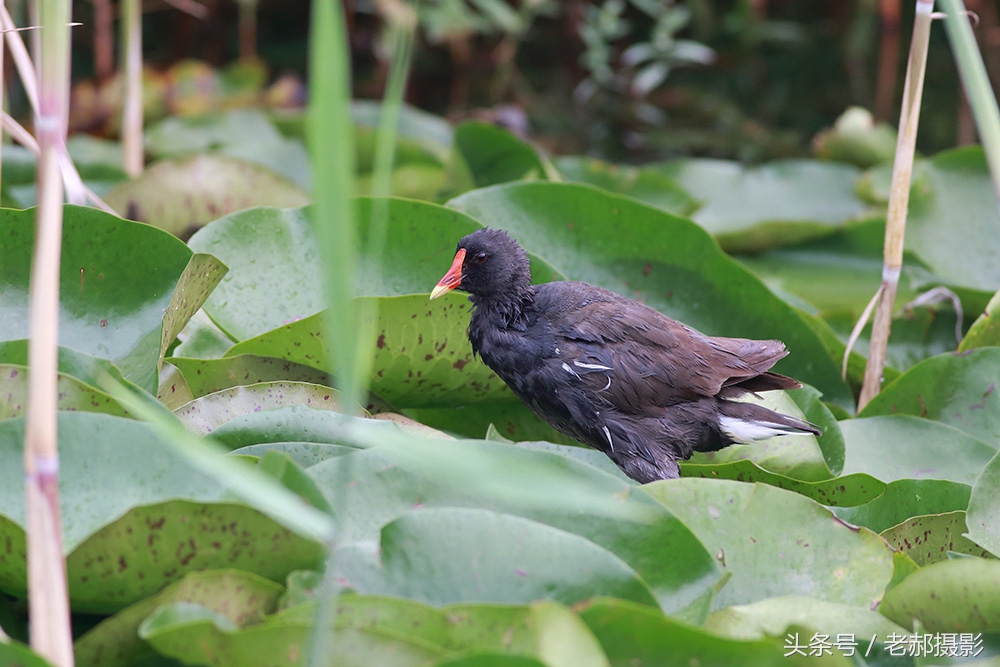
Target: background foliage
[[467, 531]]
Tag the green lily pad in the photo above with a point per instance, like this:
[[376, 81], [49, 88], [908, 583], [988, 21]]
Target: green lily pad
[[399, 473], [960, 595], [905, 498], [749, 209], [845, 491], [275, 270], [153, 529], [205, 376], [633, 634], [484, 155], [984, 508], [929, 539], [118, 278], [241, 597], [422, 353], [773, 617], [954, 389], [736, 521], [985, 331], [645, 184], [961, 249], [493, 557], [181, 194], [896, 447], [205, 414], [667, 262]]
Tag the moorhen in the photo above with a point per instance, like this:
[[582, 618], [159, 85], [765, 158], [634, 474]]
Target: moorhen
[[611, 372]]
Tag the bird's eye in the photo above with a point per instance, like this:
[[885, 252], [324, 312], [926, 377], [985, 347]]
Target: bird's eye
[[481, 257]]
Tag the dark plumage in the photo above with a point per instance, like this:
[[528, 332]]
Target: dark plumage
[[611, 372]]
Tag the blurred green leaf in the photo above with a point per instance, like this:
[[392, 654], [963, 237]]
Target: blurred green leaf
[[645, 184], [179, 195], [774, 616], [206, 413], [960, 595], [631, 634], [242, 597], [749, 209], [380, 484], [492, 557], [985, 331], [984, 508], [125, 545]]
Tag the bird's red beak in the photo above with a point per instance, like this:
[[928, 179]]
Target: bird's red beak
[[453, 278]]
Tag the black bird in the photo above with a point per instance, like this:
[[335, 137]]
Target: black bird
[[611, 372]]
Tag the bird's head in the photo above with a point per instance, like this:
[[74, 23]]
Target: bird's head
[[488, 262]]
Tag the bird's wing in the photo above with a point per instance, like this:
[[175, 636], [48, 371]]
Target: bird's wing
[[637, 358]]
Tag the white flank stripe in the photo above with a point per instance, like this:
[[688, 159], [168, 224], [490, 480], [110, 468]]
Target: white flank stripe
[[747, 431], [591, 367]]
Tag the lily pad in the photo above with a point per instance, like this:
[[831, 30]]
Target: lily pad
[[905, 498], [118, 278], [957, 389], [643, 183], [984, 508], [179, 195], [929, 539], [749, 209], [960, 595], [399, 473], [896, 447], [831, 561]]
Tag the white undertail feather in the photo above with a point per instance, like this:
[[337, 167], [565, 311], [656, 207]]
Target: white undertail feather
[[741, 430]]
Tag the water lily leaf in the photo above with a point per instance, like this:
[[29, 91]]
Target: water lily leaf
[[126, 545], [118, 278], [630, 633], [749, 209], [200, 277], [845, 491], [772, 618], [667, 262], [390, 479], [242, 597], [645, 184], [205, 376], [433, 133], [512, 420], [960, 595], [961, 250], [202, 339], [79, 376], [17, 654], [984, 508], [905, 447], [493, 557], [179, 195], [274, 262], [905, 498], [484, 154], [374, 630], [422, 353], [954, 389], [985, 331], [204, 415], [736, 521], [296, 423], [177, 135], [304, 454], [928, 539]]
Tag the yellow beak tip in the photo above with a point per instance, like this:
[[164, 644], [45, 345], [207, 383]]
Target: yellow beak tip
[[438, 291]]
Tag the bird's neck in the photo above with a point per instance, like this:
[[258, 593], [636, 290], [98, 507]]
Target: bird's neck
[[500, 313]]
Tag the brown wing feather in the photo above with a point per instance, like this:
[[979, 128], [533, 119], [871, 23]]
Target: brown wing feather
[[657, 361]]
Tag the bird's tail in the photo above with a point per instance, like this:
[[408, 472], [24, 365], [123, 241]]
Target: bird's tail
[[746, 422]]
